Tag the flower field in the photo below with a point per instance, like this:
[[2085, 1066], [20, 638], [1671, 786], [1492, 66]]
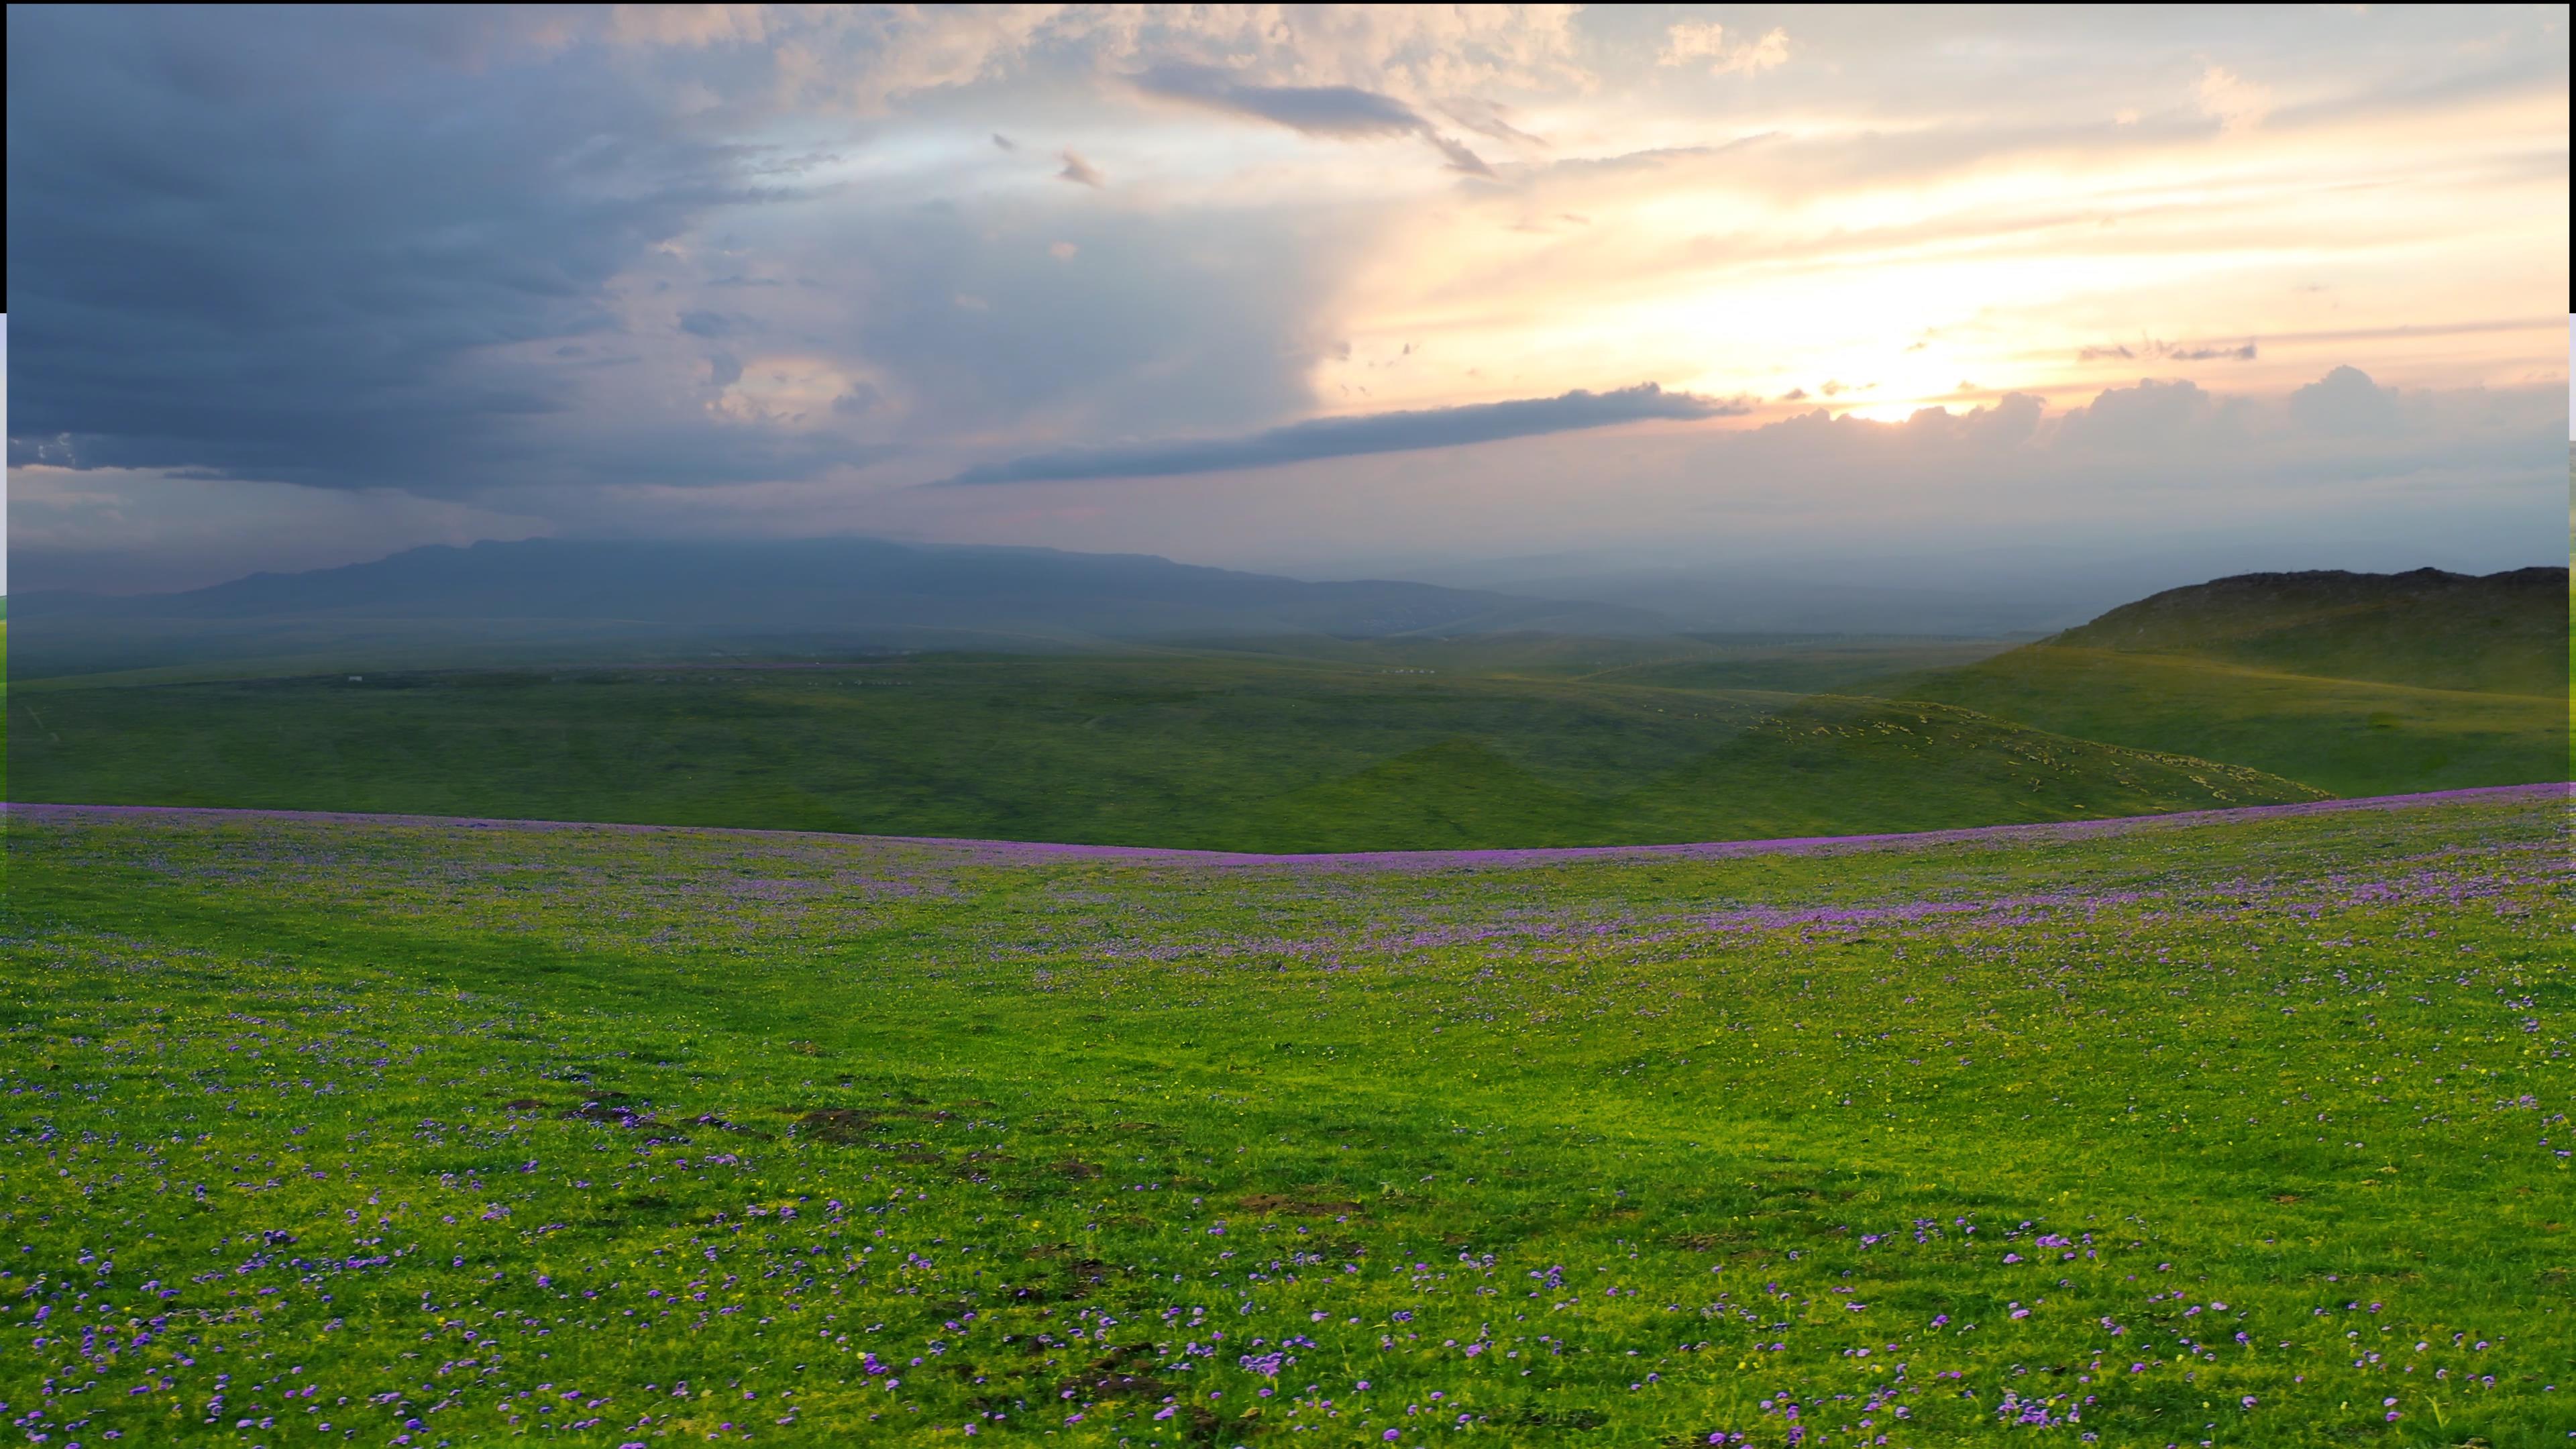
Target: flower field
[[2236, 1129]]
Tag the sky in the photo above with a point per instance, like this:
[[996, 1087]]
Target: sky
[[1322, 290]]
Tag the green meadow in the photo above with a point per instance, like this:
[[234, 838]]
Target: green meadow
[[2266, 690], [2248, 1130], [1182, 749]]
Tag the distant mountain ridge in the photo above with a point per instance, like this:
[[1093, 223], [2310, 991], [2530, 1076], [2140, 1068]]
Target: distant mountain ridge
[[809, 582], [820, 592], [2501, 632]]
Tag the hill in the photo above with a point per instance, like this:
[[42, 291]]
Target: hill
[[2500, 633], [2360, 684], [606, 597], [1181, 750], [1290, 739]]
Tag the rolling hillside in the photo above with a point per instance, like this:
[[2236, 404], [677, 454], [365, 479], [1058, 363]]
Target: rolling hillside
[[1194, 751], [1308, 740], [2498, 633], [2356, 683]]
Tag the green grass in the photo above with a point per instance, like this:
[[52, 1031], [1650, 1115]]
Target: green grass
[[1221, 752], [1793, 664], [2499, 633], [2348, 736], [322, 1129]]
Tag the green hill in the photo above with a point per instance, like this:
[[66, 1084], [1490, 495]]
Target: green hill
[[2351, 737], [2361, 684], [1308, 742], [1221, 753], [2501, 633]]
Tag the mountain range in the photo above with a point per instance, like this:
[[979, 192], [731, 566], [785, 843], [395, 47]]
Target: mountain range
[[833, 593]]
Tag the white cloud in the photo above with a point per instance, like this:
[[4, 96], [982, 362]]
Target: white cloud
[[692, 26], [1080, 171], [867, 58], [2236, 103], [1694, 40]]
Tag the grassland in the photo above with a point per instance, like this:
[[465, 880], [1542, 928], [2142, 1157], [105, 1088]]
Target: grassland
[[2259, 689], [2247, 1131], [1180, 749], [2498, 632], [2347, 736], [2361, 684]]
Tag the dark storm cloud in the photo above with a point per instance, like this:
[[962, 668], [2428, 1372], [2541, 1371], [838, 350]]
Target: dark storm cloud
[[1343, 111], [1349, 437], [338, 248]]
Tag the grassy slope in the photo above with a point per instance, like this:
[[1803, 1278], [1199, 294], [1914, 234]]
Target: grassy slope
[[2352, 737], [2360, 684], [1231, 753], [2257, 1125], [2438, 630], [2500, 633]]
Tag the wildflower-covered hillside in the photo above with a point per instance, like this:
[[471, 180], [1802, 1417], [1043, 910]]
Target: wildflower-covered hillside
[[2245, 1129]]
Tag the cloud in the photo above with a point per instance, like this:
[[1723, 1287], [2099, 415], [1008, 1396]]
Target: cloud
[[2139, 442], [2346, 403], [2157, 432], [524, 259], [1487, 118], [1461, 159], [347, 255], [1349, 437], [2150, 348], [1693, 40], [869, 59], [330, 258], [1344, 112], [1313, 110], [2235, 102], [112, 531], [1161, 322], [1080, 171], [2151, 415], [693, 27]]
